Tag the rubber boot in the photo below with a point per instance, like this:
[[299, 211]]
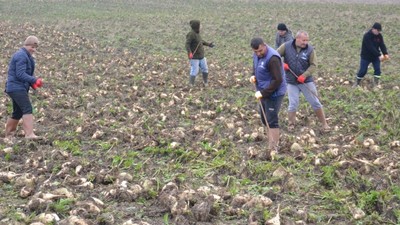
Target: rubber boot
[[191, 80], [321, 117], [205, 79], [273, 139], [11, 127], [376, 81], [357, 83], [27, 123], [292, 120], [273, 142]]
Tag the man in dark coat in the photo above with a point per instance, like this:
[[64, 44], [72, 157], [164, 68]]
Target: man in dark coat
[[372, 46], [195, 50]]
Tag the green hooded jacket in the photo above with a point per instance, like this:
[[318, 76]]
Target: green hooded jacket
[[194, 43]]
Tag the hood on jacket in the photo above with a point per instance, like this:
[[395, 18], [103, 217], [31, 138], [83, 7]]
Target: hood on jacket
[[195, 25]]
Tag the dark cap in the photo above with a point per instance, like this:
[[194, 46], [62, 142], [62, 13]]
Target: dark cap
[[377, 26], [282, 26]]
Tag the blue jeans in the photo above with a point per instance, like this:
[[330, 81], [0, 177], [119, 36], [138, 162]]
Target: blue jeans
[[21, 104], [195, 64], [364, 68], [271, 109]]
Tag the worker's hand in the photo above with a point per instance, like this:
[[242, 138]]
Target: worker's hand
[[301, 78], [211, 45], [384, 57], [286, 67], [253, 79], [190, 55], [37, 84], [258, 95]]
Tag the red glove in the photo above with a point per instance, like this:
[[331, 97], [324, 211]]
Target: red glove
[[190, 55], [37, 84], [301, 78], [286, 67]]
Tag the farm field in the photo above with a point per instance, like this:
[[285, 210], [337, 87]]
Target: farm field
[[128, 142]]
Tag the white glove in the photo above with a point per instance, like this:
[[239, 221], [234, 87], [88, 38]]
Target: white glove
[[253, 79], [258, 95]]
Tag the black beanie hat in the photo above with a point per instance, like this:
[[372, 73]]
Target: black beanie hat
[[377, 26], [282, 26]]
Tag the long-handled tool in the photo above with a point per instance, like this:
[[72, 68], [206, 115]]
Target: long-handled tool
[[265, 117], [291, 71]]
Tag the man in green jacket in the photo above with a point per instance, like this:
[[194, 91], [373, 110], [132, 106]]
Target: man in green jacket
[[195, 51]]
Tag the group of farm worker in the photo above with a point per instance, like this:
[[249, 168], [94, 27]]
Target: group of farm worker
[[274, 76]]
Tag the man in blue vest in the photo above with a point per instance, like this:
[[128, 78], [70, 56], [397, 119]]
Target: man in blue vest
[[301, 63], [269, 79]]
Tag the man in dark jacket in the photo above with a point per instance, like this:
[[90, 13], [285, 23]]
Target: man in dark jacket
[[372, 45], [195, 51], [282, 35], [20, 79]]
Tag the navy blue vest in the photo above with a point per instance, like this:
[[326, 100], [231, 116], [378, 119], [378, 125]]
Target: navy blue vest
[[298, 61], [263, 75]]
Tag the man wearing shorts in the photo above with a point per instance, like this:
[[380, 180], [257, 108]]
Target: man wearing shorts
[[20, 79], [269, 79]]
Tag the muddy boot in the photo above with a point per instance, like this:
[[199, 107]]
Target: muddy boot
[[376, 82], [321, 117], [273, 139], [357, 83], [11, 127], [273, 142], [191, 80], [27, 124], [205, 79], [292, 121]]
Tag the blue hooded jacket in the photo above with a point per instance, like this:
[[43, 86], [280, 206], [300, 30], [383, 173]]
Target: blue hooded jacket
[[20, 72]]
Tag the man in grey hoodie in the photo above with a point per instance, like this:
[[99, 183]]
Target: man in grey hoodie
[[282, 35]]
